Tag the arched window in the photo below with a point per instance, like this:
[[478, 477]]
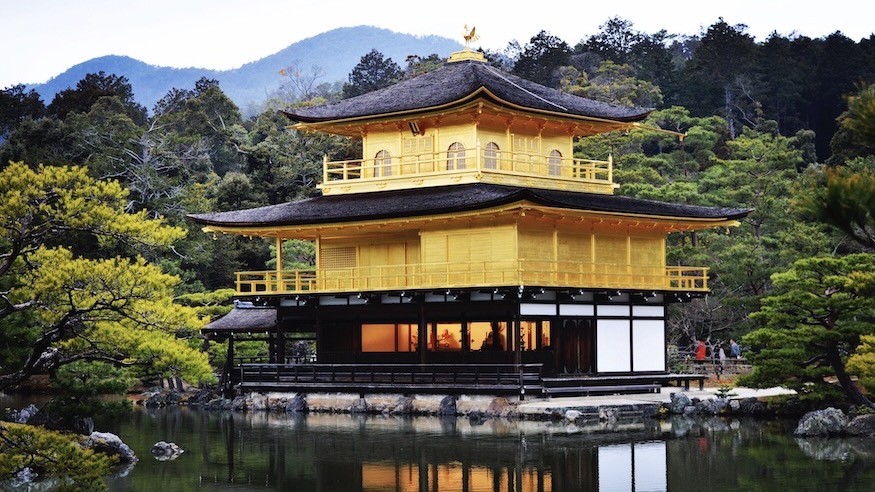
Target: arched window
[[383, 163], [456, 156], [490, 160], [554, 163]]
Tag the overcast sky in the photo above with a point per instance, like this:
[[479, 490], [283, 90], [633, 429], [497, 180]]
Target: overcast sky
[[43, 38]]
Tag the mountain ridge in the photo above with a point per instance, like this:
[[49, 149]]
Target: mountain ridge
[[335, 52]]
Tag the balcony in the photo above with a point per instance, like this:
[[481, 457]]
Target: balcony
[[468, 166], [473, 274]]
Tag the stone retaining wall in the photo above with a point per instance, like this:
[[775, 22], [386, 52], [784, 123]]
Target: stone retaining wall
[[478, 406]]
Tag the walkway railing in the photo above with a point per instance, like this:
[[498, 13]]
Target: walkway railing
[[516, 379], [473, 274], [479, 160], [467, 166]]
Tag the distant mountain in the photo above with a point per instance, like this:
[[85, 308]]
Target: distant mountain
[[335, 52]]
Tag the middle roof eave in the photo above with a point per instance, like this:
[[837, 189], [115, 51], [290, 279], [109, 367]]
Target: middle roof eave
[[449, 199]]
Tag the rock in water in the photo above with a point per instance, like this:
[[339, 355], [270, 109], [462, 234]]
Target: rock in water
[[166, 451], [828, 422], [864, 425], [110, 444], [679, 402], [447, 406]]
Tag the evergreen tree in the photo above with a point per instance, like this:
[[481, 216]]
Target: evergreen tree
[[540, 59], [118, 310], [372, 72]]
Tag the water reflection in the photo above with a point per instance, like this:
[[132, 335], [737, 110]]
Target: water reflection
[[321, 453], [262, 451]]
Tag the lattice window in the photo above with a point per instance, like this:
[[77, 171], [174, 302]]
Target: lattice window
[[338, 257], [554, 163], [417, 154], [419, 146], [525, 150], [525, 145], [383, 163], [456, 156], [491, 156]]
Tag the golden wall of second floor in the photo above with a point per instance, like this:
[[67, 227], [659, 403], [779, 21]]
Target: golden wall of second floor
[[504, 252]]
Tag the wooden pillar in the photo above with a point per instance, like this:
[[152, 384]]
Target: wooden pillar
[[518, 339], [227, 377], [280, 284], [422, 333], [280, 355], [271, 348]]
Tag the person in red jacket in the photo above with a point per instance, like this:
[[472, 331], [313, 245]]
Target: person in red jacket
[[701, 351]]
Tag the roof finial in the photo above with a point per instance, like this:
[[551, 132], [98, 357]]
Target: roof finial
[[470, 36]]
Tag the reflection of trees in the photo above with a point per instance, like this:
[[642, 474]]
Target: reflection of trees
[[757, 455]]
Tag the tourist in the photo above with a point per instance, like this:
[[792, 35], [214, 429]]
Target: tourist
[[701, 350], [734, 349]]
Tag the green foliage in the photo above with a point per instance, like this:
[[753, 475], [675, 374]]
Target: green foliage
[[617, 84], [417, 65], [35, 140], [17, 105], [757, 170], [820, 309], [372, 72], [718, 74], [53, 200], [81, 388], [298, 254], [113, 309], [843, 197], [724, 391], [213, 304], [862, 363], [51, 455], [541, 58], [285, 165], [91, 89]]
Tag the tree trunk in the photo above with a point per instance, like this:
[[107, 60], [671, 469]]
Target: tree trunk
[[727, 101], [851, 389]]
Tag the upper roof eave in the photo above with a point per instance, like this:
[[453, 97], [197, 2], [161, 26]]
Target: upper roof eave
[[481, 93], [459, 82]]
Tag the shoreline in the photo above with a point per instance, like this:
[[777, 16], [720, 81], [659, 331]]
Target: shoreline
[[743, 401]]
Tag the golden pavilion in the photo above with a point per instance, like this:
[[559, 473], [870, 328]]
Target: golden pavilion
[[468, 241]]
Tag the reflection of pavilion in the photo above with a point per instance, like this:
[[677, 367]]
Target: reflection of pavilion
[[468, 240], [624, 467], [445, 455], [633, 466]]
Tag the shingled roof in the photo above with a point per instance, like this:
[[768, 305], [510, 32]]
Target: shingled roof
[[244, 318], [449, 199], [459, 82]]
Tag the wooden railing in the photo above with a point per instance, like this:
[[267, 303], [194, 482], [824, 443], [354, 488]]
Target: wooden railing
[[482, 161], [687, 278], [273, 282], [369, 378], [473, 274]]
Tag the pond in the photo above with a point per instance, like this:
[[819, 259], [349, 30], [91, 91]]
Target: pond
[[340, 452], [261, 451]]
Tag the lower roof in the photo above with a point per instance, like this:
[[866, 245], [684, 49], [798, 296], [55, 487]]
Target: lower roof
[[244, 318], [449, 199]]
